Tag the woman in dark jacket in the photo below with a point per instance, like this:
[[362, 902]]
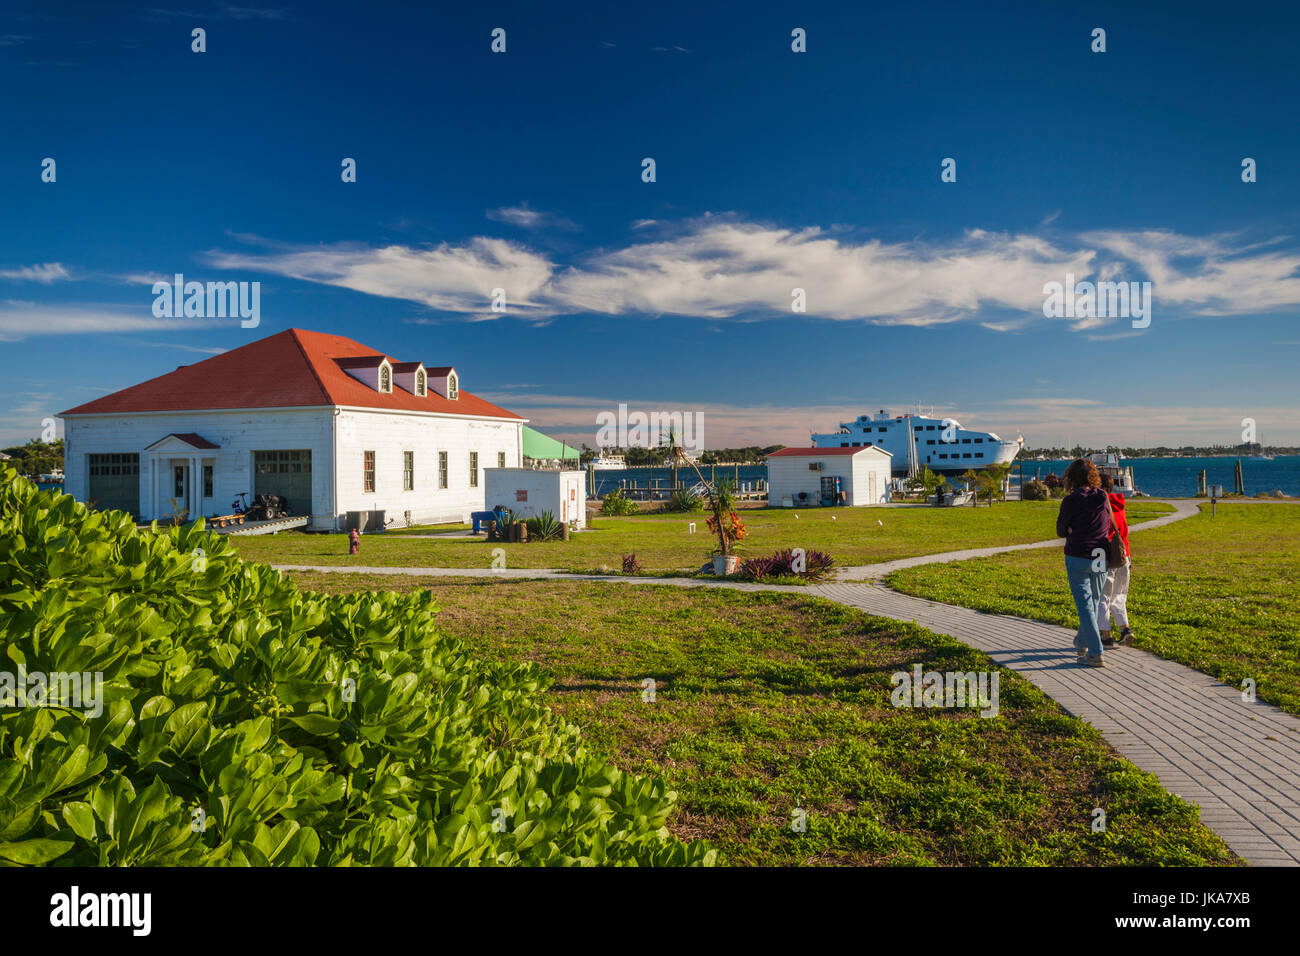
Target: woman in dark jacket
[[1084, 523]]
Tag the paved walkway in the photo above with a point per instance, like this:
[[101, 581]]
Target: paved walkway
[[1240, 762]]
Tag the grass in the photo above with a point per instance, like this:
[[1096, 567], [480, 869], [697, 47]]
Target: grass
[[661, 542], [768, 703], [1217, 594]]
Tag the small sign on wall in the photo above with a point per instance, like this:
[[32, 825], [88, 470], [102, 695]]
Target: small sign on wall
[[521, 494]]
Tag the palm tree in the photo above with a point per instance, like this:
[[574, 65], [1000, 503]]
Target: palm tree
[[928, 482], [997, 477]]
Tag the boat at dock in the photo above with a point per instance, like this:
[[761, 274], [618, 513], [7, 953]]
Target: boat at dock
[[1108, 463], [943, 445], [608, 463]]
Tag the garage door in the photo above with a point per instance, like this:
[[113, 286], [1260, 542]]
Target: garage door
[[115, 482], [285, 473]]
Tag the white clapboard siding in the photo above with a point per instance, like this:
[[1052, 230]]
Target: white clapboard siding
[[238, 433], [389, 434]]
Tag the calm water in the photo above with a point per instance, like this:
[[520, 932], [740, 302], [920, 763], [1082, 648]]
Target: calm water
[[1176, 477], [603, 482], [1154, 476]]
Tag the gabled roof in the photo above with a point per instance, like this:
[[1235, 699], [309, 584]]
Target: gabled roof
[[821, 452], [294, 368], [190, 438]]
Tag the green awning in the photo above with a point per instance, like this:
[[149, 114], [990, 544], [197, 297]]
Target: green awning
[[543, 447]]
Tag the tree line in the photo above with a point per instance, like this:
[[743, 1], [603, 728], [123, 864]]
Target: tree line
[[36, 457]]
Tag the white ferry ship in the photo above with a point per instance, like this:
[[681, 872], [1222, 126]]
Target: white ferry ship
[[608, 463], [917, 441]]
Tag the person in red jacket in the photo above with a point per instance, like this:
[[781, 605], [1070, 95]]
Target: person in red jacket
[[1114, 594]]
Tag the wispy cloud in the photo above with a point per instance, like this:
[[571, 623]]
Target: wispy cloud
[[202, 350], [526, 218], [45, 272], [723, 267], [21, 320], [222, 11], [446, 277]]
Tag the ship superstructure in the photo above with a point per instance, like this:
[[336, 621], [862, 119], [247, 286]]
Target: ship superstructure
[[943, 445]]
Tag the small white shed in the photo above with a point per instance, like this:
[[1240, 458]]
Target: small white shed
[[528, 492], [808, 477]]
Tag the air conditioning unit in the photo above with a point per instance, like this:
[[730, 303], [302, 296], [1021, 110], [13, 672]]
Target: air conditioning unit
[[816, 465]]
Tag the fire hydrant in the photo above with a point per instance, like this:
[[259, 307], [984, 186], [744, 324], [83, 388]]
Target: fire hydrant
[[354, 541]]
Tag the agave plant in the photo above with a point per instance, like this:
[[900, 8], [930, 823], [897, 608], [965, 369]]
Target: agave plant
[[544, 527]]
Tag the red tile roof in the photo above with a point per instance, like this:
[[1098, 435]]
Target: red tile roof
[[819, 452], [290, 369]]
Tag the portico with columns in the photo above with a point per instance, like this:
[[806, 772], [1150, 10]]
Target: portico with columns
[[180, 467]]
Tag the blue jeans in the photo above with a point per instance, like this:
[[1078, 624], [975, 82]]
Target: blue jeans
[[1085, 587]]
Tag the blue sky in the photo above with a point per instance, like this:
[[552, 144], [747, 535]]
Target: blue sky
[[774, 169]]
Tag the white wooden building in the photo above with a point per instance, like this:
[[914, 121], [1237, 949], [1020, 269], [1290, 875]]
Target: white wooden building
[[809, 477], [332, 425], [527, 492]]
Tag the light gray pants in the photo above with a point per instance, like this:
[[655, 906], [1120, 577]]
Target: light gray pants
[[1114, 598]]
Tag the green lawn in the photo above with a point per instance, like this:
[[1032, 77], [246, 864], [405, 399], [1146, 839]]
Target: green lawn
[[770, 703], [856, 536], [1217, 594]]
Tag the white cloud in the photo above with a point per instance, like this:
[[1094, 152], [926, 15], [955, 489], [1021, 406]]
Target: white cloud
[[526, 218], [721, 267], [20, 320], [446, 277], [45, 272]]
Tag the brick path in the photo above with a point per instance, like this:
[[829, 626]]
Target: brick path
[[1240, 762]]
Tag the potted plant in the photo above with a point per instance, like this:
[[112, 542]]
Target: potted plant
[[723, 520], [729, 529]]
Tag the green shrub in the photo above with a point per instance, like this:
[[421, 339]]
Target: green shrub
[[615, 503], [247, 722], [1034, 490]]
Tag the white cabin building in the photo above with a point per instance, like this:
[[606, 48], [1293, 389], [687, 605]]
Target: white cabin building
[[335, 427], [810, 477]]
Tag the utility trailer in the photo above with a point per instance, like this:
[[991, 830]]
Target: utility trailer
[[265, 527]]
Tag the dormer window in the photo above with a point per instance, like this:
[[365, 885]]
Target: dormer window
[[420, 388], [444, 381], [385, 378]]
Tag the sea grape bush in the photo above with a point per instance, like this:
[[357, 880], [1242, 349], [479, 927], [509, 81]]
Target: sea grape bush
[[246, 722], [817, 564]]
